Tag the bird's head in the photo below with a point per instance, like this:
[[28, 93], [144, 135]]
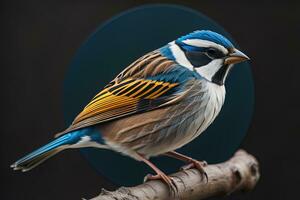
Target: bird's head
[[208, 53]]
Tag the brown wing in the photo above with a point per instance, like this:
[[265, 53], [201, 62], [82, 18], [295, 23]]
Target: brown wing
[[130, 92]]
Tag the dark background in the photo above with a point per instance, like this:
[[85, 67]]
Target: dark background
[[39, 39]]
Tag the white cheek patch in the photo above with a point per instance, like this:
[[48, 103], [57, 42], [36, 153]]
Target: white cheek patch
[[180, 56], [209, 70], [205, 43]]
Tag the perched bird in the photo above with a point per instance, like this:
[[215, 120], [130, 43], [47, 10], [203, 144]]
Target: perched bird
[[159, 103]]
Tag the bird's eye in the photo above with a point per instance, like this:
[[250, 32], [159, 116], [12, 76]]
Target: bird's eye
[[214, 53]]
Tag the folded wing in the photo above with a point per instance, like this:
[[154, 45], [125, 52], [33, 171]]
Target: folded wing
[[145, 85]]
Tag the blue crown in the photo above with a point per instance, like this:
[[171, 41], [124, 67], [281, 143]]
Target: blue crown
[[208, 35]]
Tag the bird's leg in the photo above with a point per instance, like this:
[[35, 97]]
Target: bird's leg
[[192, 163], [159, 175]]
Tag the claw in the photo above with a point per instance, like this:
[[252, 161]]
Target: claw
[[162, 176], [168, 180], [198, 165]]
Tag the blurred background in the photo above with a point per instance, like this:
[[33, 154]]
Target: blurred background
[[39, 39]]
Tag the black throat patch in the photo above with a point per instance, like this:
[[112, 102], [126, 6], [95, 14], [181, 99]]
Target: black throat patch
[[219, 77]]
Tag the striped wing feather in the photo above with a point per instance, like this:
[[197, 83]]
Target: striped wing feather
[[130, 92]]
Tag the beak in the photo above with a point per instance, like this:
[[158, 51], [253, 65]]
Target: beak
[[235, 57]]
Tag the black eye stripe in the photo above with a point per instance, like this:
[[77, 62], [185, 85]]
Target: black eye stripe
[[214, 53], [197, 59], [200, 56]]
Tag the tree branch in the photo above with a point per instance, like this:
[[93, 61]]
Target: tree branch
[[240, 173]]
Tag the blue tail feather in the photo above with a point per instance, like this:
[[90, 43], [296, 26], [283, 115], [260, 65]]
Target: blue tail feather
[[65, 141]]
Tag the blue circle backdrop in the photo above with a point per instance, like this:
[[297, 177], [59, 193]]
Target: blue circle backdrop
[[123, 39]]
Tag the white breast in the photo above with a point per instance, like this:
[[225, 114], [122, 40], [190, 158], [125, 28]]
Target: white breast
[[214, 99]]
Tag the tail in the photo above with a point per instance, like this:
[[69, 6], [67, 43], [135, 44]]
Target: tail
[[76, 139]]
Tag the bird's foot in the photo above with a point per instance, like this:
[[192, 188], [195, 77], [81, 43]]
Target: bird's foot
[[198, 165], [168, 180]]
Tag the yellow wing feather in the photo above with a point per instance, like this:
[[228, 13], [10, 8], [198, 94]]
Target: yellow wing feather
[[119, 100], [123, 96]]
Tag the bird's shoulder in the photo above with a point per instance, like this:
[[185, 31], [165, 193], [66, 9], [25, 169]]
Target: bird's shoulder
[[155, 66]]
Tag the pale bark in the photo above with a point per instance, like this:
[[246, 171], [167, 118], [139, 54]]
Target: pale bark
[[240, 173]]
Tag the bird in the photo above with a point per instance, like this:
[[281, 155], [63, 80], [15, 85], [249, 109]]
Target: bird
[[159, 103]]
